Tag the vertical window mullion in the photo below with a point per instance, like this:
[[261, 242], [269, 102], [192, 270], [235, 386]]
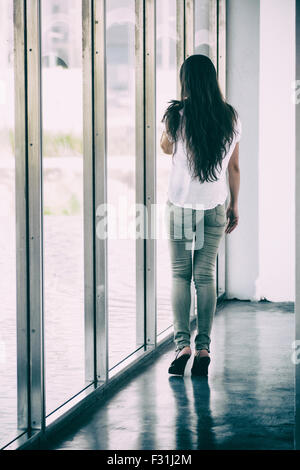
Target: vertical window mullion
[[100, 178], [140, 171], [22, 239], [150, 169], [189, 36], [222, 44], [213, 31], [88, 176], [30, 323], [37, 401], [95, 189]]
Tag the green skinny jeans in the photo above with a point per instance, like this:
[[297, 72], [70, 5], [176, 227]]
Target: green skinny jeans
[[194, 257]]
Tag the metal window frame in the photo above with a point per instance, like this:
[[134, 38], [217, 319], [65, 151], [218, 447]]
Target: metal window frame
[[95, 188], [189, 28], [140, 170], [23, 359], [221, 44], [29, 220], [150, 173], [88, 190], [213, 31]]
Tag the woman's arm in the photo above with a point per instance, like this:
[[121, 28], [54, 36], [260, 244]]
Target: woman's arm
[[234, 186], [165, 144]]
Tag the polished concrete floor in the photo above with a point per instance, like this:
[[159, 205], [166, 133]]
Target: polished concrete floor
[[246, 403]]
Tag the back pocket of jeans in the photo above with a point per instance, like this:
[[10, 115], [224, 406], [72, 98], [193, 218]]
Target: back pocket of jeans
[[216, 217]]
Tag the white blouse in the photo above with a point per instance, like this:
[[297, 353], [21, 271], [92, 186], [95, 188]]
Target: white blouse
[[185, 192]]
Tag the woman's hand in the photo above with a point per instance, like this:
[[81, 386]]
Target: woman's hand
[[232, 217], [165, 144], [234, 185]]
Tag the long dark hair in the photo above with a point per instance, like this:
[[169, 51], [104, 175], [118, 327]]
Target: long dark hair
[[208, 122]]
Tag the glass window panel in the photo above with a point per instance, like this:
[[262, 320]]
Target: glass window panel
[[63, 199], [121, 178], [166, 89], [205, 31], [8, 373]]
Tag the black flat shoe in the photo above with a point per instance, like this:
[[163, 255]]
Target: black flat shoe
[[178, 365], [200, 366]]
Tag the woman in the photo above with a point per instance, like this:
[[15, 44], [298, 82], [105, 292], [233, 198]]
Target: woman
[[202, 132]]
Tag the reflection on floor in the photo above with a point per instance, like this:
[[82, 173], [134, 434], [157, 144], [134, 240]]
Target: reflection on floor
[[246, 403]]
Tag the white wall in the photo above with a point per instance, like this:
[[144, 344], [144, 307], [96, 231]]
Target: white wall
[[260, 55], [277, 150], [242, 56]]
